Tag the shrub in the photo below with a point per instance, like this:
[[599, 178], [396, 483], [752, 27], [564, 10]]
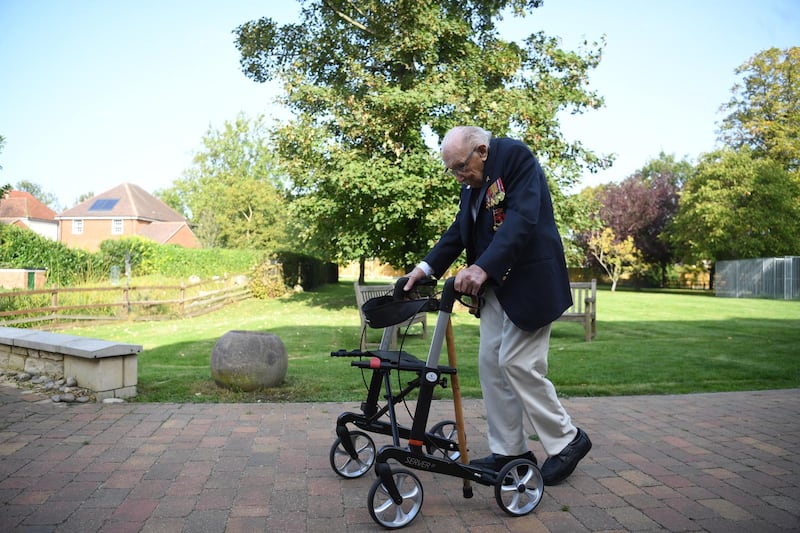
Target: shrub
[[266, 280], [173, 261], [303, 270], [183, 262], [23, 248], [139, 251]]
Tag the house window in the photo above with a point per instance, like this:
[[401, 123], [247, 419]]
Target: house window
[[116, 226], [77, 227]]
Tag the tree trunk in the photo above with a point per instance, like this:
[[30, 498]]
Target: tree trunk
[[711, 273], [362, 267]]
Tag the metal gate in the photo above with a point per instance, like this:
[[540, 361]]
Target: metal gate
[[770, 277]]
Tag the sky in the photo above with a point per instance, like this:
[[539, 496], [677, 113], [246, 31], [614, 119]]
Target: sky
[[95, 93]]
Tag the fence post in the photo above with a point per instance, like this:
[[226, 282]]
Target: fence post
[[126, 299], [182, 299]]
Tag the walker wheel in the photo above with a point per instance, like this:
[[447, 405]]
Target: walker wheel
[[385, 511], [445, 429], [520, 488], [349, 467]]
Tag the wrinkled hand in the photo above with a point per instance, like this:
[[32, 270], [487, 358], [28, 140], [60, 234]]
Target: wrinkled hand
[[470, 280], [413, 277]]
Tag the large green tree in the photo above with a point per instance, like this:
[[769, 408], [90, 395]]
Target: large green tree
[[764, 110], [737, 206], [231, 193], [744, 200], [373, 85]]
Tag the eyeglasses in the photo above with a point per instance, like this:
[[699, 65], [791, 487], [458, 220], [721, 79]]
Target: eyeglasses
[[458, 169]]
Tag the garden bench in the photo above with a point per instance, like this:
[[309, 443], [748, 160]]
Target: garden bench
[[109, 369], [584, 306]]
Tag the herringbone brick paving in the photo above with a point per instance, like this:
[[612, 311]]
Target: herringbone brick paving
[[700, 462]]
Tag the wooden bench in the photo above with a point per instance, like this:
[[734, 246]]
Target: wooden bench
[[365, 292], [584, 306], [109, 369]]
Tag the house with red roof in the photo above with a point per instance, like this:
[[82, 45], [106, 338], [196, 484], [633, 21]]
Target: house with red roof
[[21, 209], [124, 211]]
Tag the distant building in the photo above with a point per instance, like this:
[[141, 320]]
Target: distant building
[[124, 211], [21, 209]]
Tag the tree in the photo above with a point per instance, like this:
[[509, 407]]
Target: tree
[[231, 193], [764, 111], [585, 222], [374, 84], [643, 205], [35, 190], [616, 256], [737, 206], [666, 166]]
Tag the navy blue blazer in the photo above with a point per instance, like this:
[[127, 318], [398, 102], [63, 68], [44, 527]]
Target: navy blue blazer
[[514, 237]]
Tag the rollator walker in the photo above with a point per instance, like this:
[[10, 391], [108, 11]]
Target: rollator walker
[[396, 496]]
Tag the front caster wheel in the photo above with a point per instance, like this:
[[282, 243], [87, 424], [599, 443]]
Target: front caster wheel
[[520, 488], [347, 466], [390, 514]]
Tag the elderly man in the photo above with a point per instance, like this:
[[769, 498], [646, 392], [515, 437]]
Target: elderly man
[[516, 270]]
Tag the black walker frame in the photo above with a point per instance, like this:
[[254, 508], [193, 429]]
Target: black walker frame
[[353, 453], [396, 496]]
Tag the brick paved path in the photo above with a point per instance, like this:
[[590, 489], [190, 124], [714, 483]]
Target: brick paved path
[[702, 462]]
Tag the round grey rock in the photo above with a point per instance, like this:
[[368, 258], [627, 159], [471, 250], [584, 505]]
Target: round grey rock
[[68, 397], [249, 360]]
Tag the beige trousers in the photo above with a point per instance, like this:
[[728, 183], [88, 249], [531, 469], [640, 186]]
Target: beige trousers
[[512, 364]]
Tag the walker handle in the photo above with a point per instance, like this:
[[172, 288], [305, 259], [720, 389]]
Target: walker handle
[[449, 295], [399, 285]]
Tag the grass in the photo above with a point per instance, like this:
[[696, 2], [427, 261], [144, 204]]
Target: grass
[[647, 343]]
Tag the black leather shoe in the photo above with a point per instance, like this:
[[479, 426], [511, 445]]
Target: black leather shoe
[[558, 467], [496, 461]]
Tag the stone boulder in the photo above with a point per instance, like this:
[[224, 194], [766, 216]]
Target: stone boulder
[[249, 360]]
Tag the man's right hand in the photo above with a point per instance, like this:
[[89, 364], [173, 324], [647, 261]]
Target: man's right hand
[[413, 277]]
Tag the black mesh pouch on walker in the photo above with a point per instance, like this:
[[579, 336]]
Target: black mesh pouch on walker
[[385, 311]]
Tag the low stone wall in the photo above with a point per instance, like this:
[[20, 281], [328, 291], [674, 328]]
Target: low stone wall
[[110, 369]]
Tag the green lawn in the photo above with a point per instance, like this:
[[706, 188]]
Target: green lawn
[[647, 343]]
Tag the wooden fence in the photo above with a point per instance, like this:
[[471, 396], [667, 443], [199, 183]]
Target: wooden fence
[[122, 302]]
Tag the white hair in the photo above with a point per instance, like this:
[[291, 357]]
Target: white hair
[[473, 136]]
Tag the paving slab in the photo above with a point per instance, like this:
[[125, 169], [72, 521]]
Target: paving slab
[[695, 462]]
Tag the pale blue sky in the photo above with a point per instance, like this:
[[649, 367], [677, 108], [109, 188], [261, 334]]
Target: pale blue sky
[[99, 92]]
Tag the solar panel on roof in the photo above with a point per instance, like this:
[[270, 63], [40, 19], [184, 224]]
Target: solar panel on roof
[[104, 204]]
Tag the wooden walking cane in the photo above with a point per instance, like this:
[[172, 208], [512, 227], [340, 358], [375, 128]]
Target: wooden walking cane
[[462, 435]]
